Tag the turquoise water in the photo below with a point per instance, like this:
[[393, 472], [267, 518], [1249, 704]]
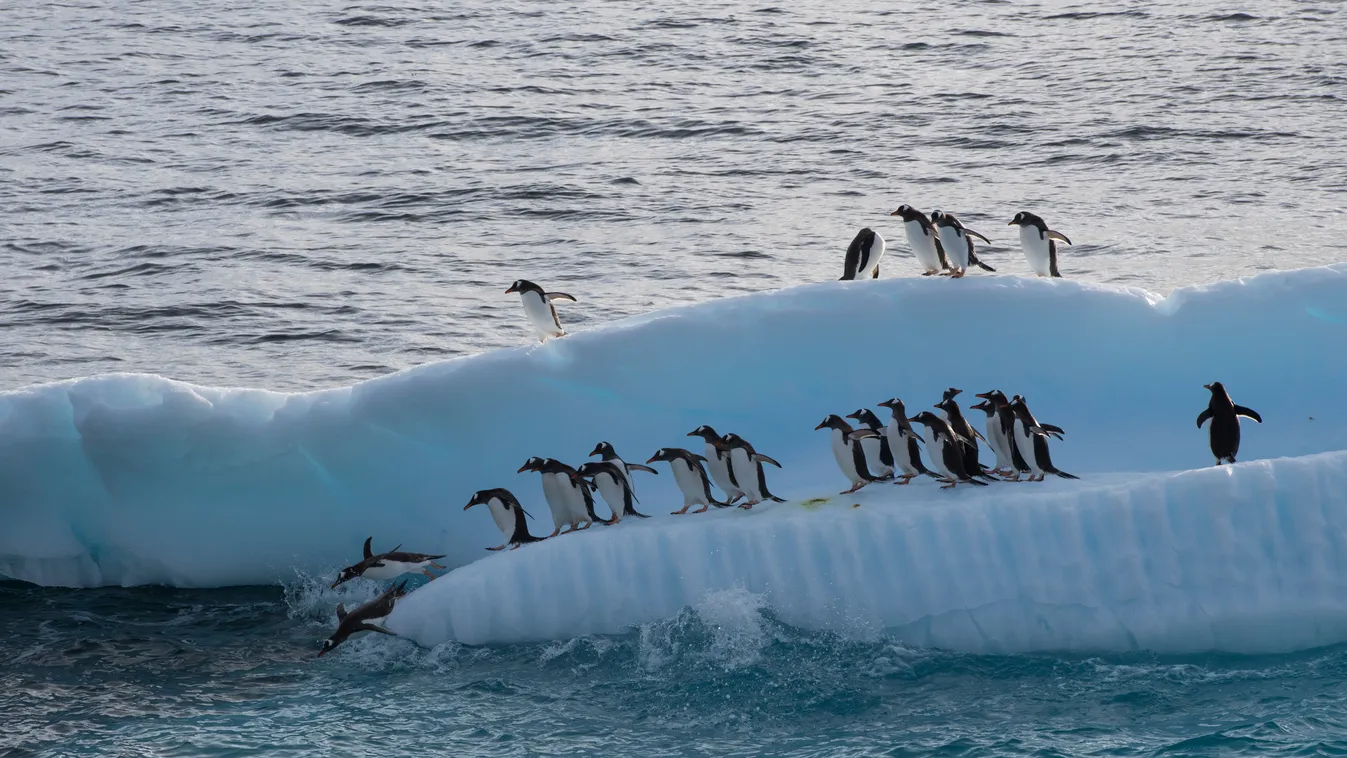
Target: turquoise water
[[232, 672]]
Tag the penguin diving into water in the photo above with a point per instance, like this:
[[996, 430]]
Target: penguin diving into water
[[863, 256], [958, 243], [508, 514], [539, 307], [690, 478], [1039, 243], [390, 565], [365, 618], [1224, 416]]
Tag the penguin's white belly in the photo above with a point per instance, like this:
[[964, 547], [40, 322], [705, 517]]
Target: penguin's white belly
[[502, 516], [872, 257], [956, 247], [540, 315], [392, 570], [622, 466], [898, 446], [1036, 250], [842, 452], [998, 441], [720, 473], [937, 452], [575, 498], [923, 246], [745, 472], [689, 483], [557, 501], [612, 492], [877, 467], [1025, 441]]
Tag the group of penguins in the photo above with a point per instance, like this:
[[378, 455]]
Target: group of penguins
[[941, 243]]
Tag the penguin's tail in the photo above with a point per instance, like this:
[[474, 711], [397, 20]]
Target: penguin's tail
[[978, 482], [527, 538], [634, 512], [1065, 475], [776, 499], [973, 259], [720, 504]]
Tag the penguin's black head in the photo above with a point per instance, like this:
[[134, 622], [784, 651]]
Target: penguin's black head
[[603, 448], [1025, 218], [833, 421], [663, 454], [895, 405], [589, 469], [347, 574], [865, 416], [532, 464], [1217, 389], [328, 645], [706, 433], [995, 396], [907, 212], [925, 417], [984, 406], [936, 215], [480, 497], [523, 285], [950, 394]]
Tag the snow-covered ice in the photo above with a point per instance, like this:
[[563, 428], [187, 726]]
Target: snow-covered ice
[[133, 479]]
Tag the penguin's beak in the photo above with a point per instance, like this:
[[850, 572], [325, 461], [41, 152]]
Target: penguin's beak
[[1012, 223], [980, 406], [1206, 386], [886, 404], [693, 434], [469, 505], [854, 415], [322, 652], [895, 213], [524, 468], [653, 458], [511, 289], [821, 425], [984, 395], [594, 452]]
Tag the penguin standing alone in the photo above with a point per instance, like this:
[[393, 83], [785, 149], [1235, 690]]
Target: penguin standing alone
[[1224, 415], [1039, 243], [538, 306], [863, 255]]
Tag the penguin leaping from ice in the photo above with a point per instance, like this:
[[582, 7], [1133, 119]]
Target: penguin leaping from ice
[[389, 565], [539, 307], [863, 255], [1039, 243], [1224, 416], [508, 514], [958, 243], [365, 618]]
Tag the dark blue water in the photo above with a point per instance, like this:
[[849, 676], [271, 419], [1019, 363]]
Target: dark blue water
[[296, 194]]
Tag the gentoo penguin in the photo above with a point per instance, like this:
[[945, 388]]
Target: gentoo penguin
[[848, 452], [863, 255], [538, 306], [946, 448], [922, 238], [613, 483], [508, 514], [690, 478], [1039, 243], [958, 243], [878, 453], [718, 463], [905, 440], [746, 470], [1224, 415], [966, 432], [609, 454], [365, 618], [390, 565], [998, 434], [1032, 441], [571, 503]]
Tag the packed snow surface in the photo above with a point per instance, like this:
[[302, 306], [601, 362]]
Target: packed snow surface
[[139, 479]]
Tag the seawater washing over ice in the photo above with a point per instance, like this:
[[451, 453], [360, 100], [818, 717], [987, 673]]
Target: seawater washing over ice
[[137, 479]]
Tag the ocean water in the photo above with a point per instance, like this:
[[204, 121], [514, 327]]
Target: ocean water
[[299, 195]]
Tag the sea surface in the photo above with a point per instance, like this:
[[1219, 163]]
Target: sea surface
[[296, 195]]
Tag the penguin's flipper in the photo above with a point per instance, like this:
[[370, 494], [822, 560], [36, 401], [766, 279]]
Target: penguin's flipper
[[885, 452], [639, 467], [341, 611], [1203, 416], [940, 250], [978, 434], [696, 457], [374, 628], [1052, 235], [1248, 413], [972, 233], [561, 296], [976, 261], [368, 553], [1052, 260], [1052, 429], [760, 458]]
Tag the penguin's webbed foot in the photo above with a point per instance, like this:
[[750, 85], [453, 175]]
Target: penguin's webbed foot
[[854, 487], [680, 513], [492, 549], [702, 509], [949, 486], [554, 533], [433, 564]]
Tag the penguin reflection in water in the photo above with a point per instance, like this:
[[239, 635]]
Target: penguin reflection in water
[[1224, 416], [365, 618], [389, 565], [538, 306]]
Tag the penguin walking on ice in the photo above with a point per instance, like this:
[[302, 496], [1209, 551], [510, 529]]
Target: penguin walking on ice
[[1000, 427], [614, 484], [508, 514], [946, 449], [540, 309], [389, 565], [1039, 243], [718, 463], [905, 440], [924, 241], [365, 618], [878, 452], [571, 504], [607, 453], [964, 430], [957, 240], [690, 477], [863, 256], [1224, 416], [746, 470], [847, 451], [1031, 438]]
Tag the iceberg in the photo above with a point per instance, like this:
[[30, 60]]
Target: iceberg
[[138, 479]]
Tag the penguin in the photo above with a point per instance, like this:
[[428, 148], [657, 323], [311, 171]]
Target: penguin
[[690, 478], [946, 449], [508, 514], [1224, 415], [718, 463], [609, 454], [904, 439], [1032, 441], [365, 618], [965, 430], [1039, 243], [581, 494], [569, 506], [998, 437], [390, 565], [924, 241], [878, 453], [538, 306], [746, 470], [848, 452], [958, 243], [863, 255], [614, 484]]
